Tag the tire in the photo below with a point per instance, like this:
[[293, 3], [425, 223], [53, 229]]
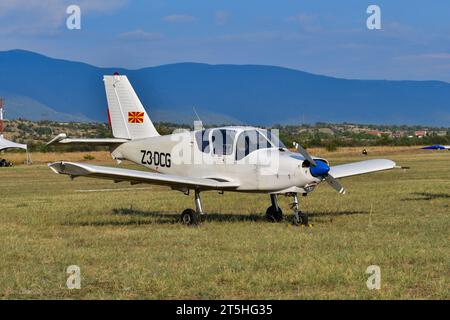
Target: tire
[[303, 218], [274, 215], [189, 217]]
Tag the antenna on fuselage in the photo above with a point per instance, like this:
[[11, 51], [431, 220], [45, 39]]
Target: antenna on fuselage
[[196, 114], [198, 124]]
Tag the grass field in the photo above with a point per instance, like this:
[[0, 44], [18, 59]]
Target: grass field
[[129, 245]]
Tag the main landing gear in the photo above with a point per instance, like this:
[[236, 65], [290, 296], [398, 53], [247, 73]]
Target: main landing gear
[[191, 217], [275, 214]]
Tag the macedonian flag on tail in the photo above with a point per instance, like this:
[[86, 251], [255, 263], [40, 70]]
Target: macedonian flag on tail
[[135, 117]]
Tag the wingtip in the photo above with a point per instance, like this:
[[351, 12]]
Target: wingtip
[[57, 139], [387, 162], [55, 166], [393, 164]]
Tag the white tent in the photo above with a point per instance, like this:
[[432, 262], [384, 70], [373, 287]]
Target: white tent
[[6, 144]]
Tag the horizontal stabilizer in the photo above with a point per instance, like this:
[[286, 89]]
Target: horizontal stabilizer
[[62, 138], [355, 168], [135, 176]]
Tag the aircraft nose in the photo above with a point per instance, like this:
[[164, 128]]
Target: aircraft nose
[[321, 169]]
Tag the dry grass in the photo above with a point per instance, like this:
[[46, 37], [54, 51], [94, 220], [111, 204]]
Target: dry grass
[[129, 245], [19, 158]]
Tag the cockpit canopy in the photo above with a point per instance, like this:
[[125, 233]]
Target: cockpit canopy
[[240, 142]]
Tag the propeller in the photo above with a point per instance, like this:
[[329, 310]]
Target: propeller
[[305, 154], [320, 169], [334, 184]]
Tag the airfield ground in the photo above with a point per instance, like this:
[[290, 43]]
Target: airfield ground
[[128, 244]]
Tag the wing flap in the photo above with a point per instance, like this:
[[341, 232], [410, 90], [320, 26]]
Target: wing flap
[[355, 168], [135, 176]]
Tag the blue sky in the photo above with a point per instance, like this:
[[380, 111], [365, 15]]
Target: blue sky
[[325, 37]]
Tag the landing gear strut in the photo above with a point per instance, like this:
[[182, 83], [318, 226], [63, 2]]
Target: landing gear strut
[[191, 217], [274, 213], [300, 218]]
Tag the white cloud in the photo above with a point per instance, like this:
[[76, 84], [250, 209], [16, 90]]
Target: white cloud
[[34, 17], [54, 6], [179, 18], [99, 6], [140, 35]]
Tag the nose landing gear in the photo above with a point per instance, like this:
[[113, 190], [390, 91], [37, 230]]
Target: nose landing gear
[[300, 218], [275, 214]]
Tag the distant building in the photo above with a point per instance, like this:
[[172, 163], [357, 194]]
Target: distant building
[[399, 134], [420, 134], [376, 133], [379, 133], [441, 133]]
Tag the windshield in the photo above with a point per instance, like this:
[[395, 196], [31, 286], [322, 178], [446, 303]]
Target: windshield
[[273, 138], [252, 140]]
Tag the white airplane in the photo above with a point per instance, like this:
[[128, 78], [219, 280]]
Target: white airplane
[[235, 158]]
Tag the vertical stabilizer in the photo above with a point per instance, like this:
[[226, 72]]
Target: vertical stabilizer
[[127, 115]]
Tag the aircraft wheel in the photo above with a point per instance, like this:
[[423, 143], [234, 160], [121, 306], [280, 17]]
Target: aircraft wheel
[[190, 217], [302, 219], [274, 215]]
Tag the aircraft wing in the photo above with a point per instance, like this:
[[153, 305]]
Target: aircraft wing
[[74, 169], [355, 168]]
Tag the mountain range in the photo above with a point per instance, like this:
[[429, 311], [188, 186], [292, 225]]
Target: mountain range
[[37, 87]]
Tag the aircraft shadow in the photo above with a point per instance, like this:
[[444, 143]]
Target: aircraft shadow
[[175, 217], [336, 213], [103, 223], [156, 217], [427, 196], [226, 217]]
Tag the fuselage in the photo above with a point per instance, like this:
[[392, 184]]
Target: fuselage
[[250, 156]]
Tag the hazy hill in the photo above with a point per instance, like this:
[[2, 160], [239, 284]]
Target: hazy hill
[[64, 90]]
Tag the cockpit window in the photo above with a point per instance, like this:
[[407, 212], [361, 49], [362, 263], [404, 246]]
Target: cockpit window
[[249, 141], [202, 138], [222, 141]]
